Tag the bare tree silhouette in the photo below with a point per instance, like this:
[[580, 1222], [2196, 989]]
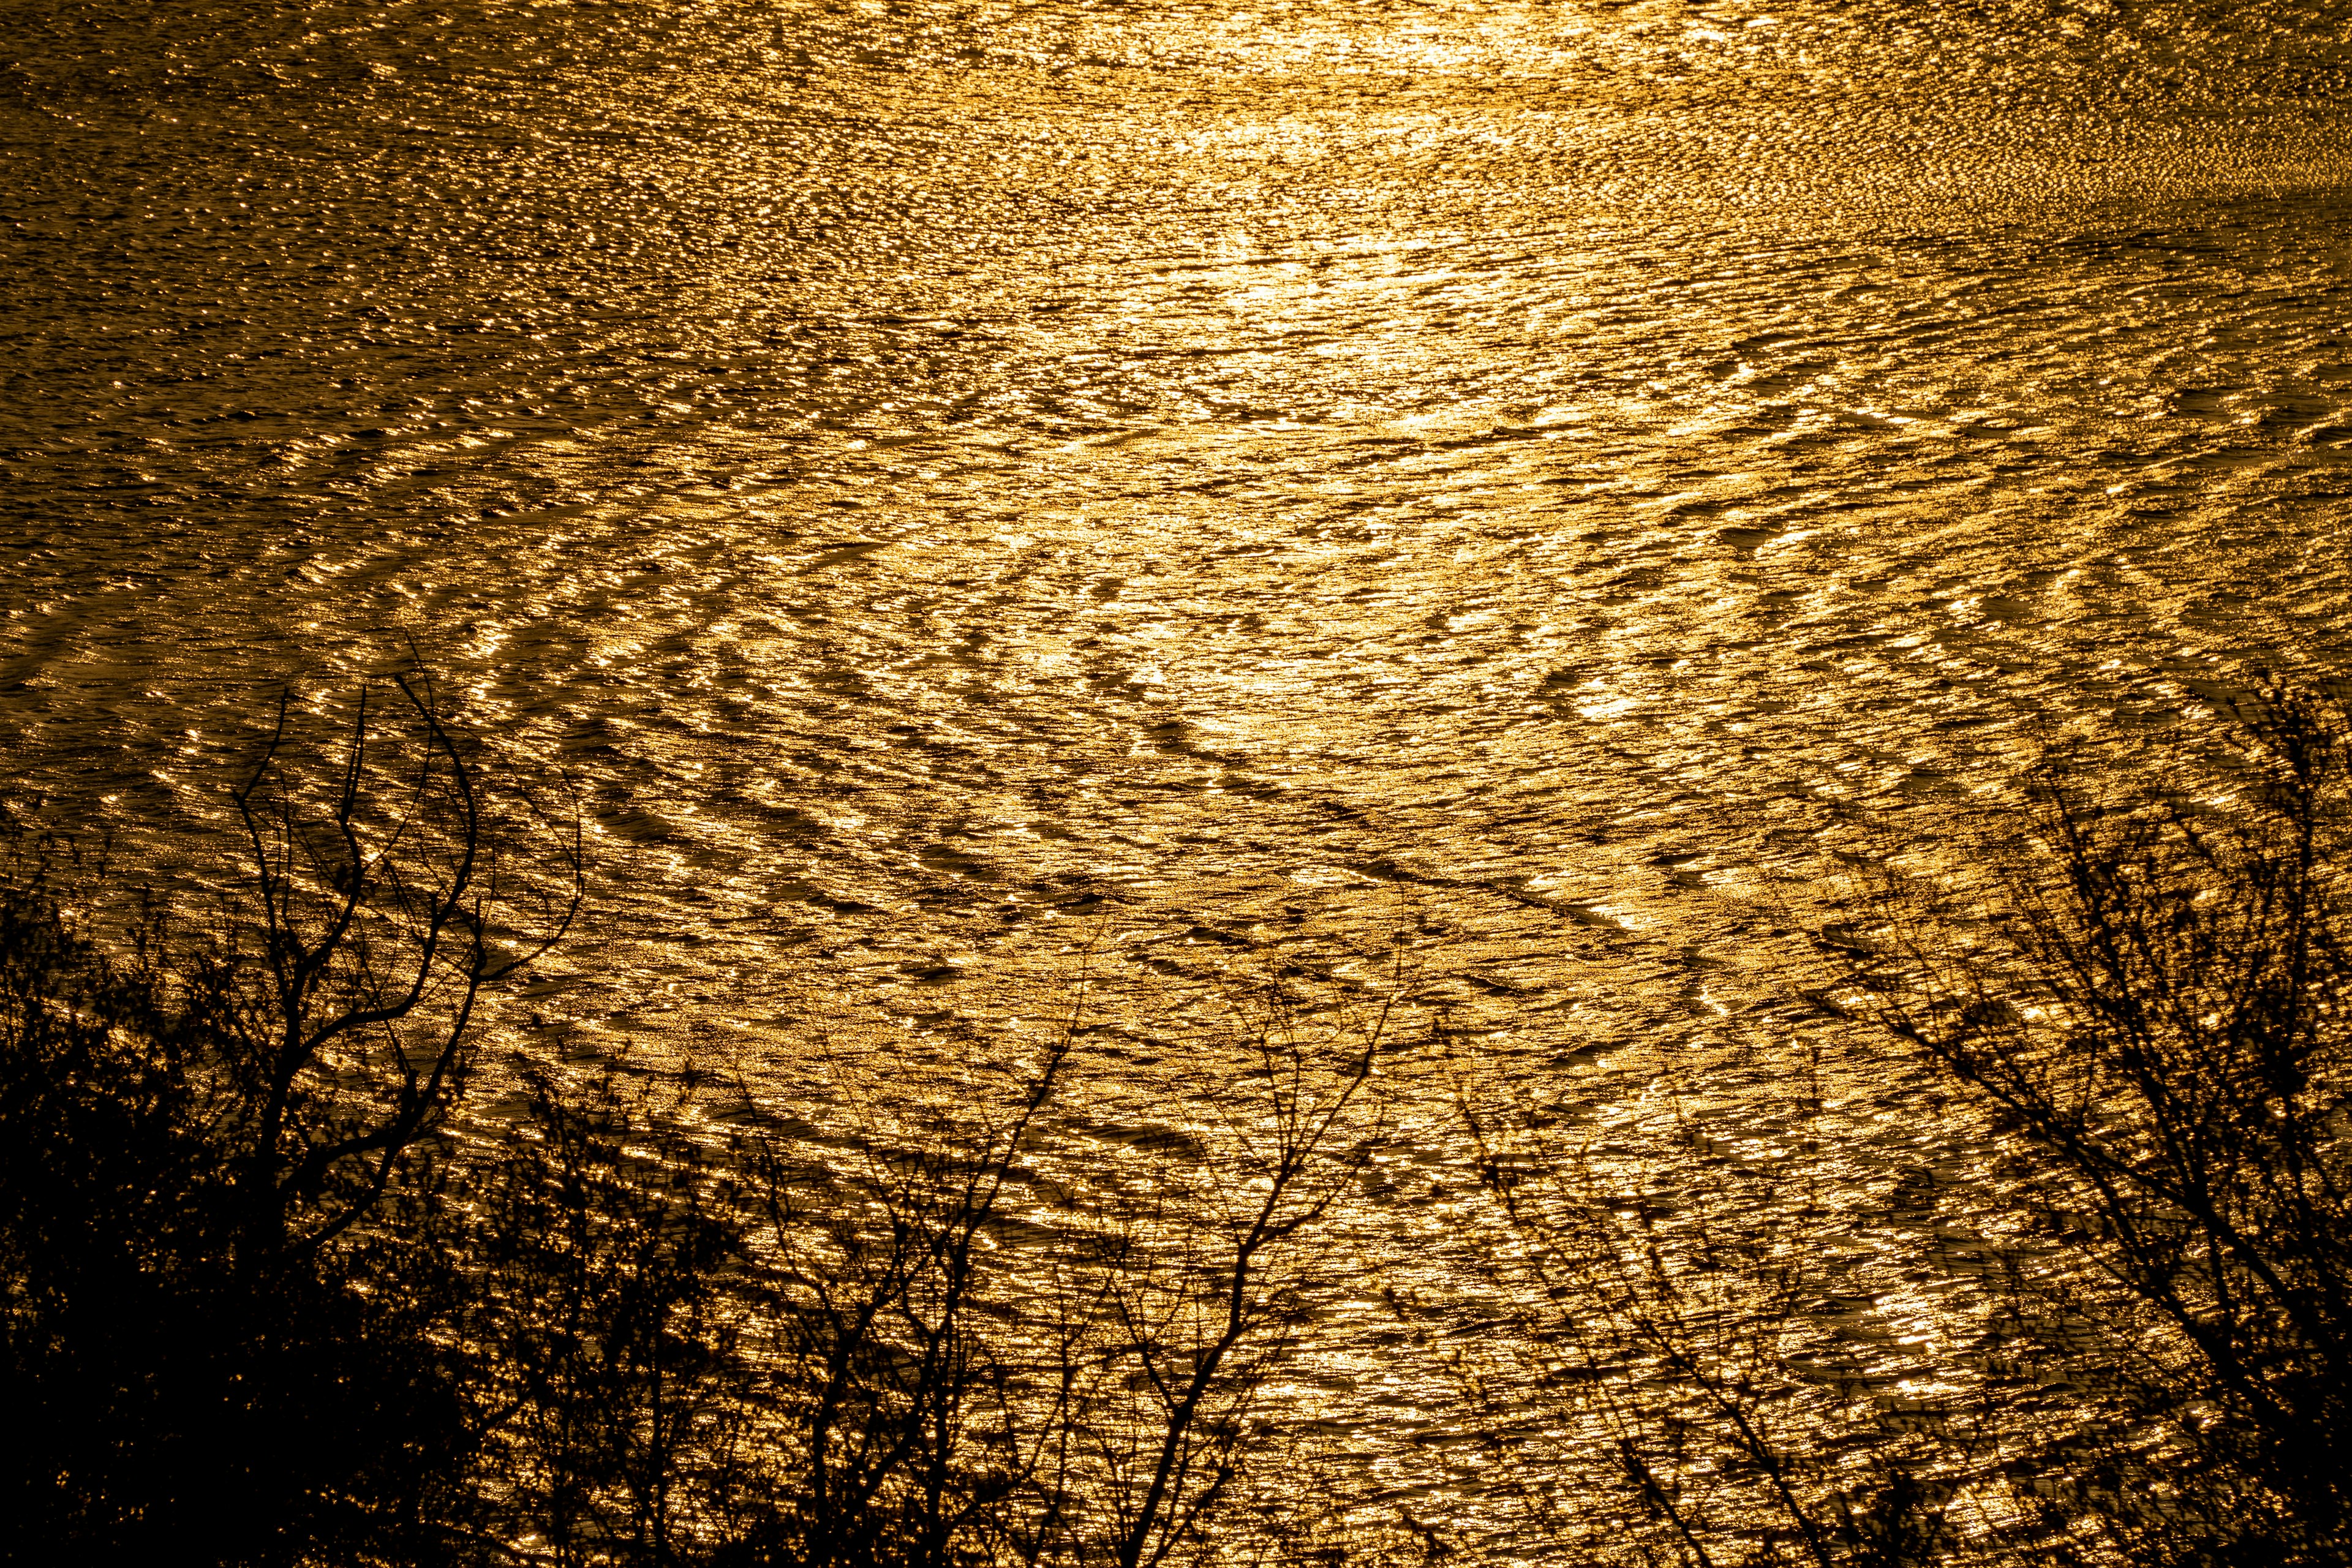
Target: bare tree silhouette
[[224, 1260]]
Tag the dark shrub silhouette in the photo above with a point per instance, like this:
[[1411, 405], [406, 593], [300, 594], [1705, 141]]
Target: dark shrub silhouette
[[2154, 1018], [1673, 1391], [272, 1293], [180, 1400], [222, 1259], [2168, 1036], [604, 1247]]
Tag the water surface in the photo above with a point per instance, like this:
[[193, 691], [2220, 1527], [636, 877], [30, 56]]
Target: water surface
[[1512, 485]]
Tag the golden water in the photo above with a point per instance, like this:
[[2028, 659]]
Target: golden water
[[1247, 488]]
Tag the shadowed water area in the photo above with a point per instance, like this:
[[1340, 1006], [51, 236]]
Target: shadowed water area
[[1514, 487]]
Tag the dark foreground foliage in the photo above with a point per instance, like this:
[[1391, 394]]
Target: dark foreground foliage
[[272, 1291], [2172, 1038], [2145, 1016], [180, 1398], [219, 1236]]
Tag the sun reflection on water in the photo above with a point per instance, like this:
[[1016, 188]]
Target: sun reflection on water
[[1524, 485]]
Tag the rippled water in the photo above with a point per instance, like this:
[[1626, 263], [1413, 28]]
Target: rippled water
[[1509, 482]]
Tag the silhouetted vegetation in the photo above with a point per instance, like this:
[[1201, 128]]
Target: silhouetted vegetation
[[1681, 1383], [2168, 1034], [280, 1289], [206, 1147], [2148, 1021], [274, 1292]]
